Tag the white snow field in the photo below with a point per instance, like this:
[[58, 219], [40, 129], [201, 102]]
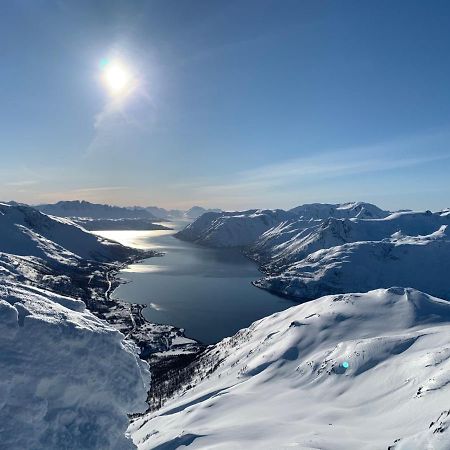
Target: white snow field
[[283, 383], [68, 380]]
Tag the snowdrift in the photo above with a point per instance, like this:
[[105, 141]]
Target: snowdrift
[[68, 380], [345, 372]]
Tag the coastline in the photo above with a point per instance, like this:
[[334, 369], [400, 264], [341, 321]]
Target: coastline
[[128, 318]]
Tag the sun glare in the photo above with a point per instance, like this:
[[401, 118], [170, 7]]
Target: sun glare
[[117, 77]]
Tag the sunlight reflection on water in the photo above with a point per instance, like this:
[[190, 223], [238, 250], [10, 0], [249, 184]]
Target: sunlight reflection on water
[[143, 268], [142, 239]]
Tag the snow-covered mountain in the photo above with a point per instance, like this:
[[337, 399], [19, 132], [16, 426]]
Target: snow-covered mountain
[[359, 210], [27, 232], [306, 254], [293, 241], [85, 209], [160, 213], [422, 262], [243, 228], [232, 229], [68, 380], [346, 372], [197, 211]]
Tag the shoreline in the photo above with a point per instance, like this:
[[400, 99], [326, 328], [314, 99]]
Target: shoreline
[[129, 319], [157, 342]]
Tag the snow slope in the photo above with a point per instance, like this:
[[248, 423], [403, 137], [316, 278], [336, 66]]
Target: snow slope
[[68, 380], [359, 210], [282, 383], [291, 242], [232, 229], [27, 232], [422, 262]]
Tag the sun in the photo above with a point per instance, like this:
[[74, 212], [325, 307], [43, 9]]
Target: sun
[[117, 77]]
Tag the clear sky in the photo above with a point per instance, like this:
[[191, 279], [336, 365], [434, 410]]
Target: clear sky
[[233, 104]]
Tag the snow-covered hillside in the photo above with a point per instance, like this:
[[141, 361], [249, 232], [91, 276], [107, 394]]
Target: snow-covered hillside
[[360, 210], [346, 372], [27, 232], [68, 380], [243, 228], [232, 229], [293, 241], [422, 262]]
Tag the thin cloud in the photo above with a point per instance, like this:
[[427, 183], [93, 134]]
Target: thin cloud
[[306, 171], [21, 183]]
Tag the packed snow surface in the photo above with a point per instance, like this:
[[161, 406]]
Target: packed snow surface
[[68, 380], [344, 372]]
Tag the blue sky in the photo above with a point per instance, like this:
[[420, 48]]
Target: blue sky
[[239, 104]]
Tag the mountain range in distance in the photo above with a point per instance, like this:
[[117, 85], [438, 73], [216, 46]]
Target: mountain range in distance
[[84, 209]]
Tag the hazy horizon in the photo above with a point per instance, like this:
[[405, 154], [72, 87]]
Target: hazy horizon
[[235, 105]]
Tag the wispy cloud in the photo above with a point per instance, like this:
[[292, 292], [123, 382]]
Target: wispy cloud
[[98, 189], [275, 180], [21, 183]]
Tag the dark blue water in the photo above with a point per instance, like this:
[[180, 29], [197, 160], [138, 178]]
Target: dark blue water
[[207, 292]]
